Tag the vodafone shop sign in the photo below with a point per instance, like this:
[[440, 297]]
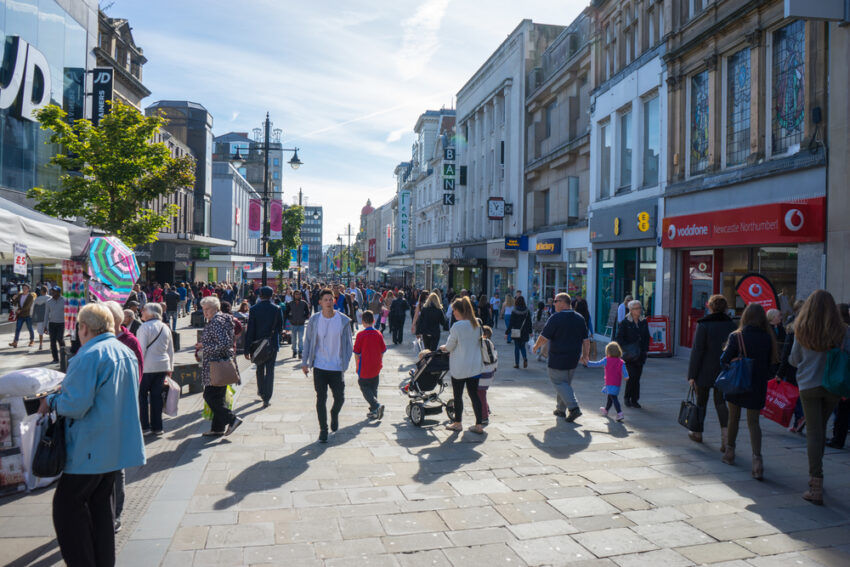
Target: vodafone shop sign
[[776, 223]]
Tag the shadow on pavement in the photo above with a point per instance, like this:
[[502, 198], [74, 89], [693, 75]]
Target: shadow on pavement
[[36, 557], [270, 475], [457, 450], [561, 442]]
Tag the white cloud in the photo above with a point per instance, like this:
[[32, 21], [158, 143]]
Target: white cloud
[[234, 116], [396, 135], [421, 38]]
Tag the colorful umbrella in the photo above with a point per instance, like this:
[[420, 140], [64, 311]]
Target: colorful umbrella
[[113, 269]]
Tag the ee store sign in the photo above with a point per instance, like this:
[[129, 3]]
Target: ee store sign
[[776, 223]]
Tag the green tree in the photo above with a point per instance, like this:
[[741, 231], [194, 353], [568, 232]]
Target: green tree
[[112, 173], [280, 250], [356, 260]]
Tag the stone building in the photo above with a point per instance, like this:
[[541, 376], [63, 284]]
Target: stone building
[[117, 49], [557, 170], [747, 91]]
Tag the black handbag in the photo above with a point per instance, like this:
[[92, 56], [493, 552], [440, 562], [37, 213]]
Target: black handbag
[[690, 414], [49, 458], [631, 352], [261, 351]]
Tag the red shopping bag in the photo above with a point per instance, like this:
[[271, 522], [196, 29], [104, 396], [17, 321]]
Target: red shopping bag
[[780, 401]]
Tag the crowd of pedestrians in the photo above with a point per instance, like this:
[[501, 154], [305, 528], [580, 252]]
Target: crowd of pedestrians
[[325, 326]]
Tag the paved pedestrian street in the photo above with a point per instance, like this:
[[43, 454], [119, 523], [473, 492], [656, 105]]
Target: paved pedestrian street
[[533, 490]]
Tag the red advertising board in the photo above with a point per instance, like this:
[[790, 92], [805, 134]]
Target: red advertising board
[[756, 288], [776, 223], [659, 334], [373, 250]]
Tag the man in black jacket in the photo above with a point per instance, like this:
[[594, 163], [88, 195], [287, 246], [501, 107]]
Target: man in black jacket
[[711, 335], [297, 313], [264, 321], [398, 312]]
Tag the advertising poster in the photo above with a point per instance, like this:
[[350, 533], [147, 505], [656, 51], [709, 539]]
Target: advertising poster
[[756, 288], [659, 333], [255, 218], [276, 219], [20, 260]]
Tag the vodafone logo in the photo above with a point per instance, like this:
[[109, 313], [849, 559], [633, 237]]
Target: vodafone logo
[[671, 231], [755, 290], [794, 220]]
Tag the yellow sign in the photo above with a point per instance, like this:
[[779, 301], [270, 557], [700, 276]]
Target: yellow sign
[[643, 221], [545, 247], [617, 226]]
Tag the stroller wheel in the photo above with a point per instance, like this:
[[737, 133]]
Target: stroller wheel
[[407, 409], [417, 414], [450, 410]]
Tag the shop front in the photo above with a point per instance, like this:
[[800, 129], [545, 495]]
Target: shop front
[[429, 271], [501, 267], [467, 269], [716, 249], [626, 259], [547, 274]]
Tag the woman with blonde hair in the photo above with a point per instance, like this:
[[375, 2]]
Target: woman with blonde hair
[[465, 363], [431, 322], [507, 309], [817, 329]]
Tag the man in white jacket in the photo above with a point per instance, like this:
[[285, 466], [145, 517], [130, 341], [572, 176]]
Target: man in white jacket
[[158, 355]]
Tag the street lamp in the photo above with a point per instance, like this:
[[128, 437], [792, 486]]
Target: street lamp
[[238, 161]]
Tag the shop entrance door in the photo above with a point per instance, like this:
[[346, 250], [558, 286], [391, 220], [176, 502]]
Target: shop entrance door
[[697, 286], [550, 279], [626, 270]]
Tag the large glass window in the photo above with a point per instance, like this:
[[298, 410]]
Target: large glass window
[[738, 108], [646, 279], [605, 160], [699, 123], [577, 273], [606, 304], [651, 142], [787, 96], [625, 149]]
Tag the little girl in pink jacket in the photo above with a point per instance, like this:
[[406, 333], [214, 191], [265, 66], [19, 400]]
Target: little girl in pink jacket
[[615, 373]]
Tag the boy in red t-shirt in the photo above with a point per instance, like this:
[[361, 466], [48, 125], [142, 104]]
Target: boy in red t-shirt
[[369, 348]]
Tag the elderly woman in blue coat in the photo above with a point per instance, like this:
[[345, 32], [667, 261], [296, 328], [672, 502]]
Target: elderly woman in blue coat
[[99, 400]]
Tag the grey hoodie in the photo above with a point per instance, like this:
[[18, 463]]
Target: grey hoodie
[[346, 346]]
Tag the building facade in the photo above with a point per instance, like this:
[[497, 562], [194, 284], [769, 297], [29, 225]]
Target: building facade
[[117, 49], [747, 91], [628, 149], [311, 237], [490, 130], [251, 151], [557, 170]]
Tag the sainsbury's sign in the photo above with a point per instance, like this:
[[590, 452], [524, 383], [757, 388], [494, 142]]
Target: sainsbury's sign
[[776, 223]]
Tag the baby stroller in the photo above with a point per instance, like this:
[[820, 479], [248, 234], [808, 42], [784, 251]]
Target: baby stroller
[[424, 387]]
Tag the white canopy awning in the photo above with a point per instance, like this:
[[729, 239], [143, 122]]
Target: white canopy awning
[[47, 239]]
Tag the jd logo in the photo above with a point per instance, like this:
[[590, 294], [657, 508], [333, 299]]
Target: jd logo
[[103, 78], [27, 84]]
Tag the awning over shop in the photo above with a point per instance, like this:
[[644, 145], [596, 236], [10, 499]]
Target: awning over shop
[[382, 270], [47, 239], [194, 240]]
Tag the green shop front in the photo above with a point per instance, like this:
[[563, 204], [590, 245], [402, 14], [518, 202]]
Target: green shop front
[[625, 252]]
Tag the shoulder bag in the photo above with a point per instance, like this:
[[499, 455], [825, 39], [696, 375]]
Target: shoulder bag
[[49, 459], [261, 351], [737, 378], [690, 414], [836, 373], [224, 372], [489, 356], [517, 333]]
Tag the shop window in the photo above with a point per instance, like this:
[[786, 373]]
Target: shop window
[[550, 116], [699, 123], [605, 160], [577, 273], [573, 199], [651, 142], [787, 88], [647, 270], [606, 304], [625, 149], [738, 108]]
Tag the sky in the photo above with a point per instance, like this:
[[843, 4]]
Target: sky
[[345, 80]]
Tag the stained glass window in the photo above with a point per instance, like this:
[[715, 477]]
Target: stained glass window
[[699, 122], [738, 108], [787, 106]]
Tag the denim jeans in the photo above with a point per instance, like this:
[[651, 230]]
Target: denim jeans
[[562, 381], [20, 323], [172, 318], [369, 389], [519, 347], [508, 326], [297, 338]]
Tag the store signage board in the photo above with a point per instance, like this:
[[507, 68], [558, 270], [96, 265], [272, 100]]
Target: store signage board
[[448, 198], [659, 333], [629, 221], [756, 288], [21, 83], [448, 154], [776, 223], [404, 221], [548, 246], [373, 251], [20, 259], [101, 92], [516, 243]]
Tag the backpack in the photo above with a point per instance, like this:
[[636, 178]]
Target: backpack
[[489, 355]]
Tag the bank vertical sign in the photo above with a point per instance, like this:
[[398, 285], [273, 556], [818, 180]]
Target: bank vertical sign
[[404, 221], [101, 92]]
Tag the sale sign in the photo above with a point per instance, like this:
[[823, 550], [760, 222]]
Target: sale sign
[[20, 259], [775, 223], [755, 288]]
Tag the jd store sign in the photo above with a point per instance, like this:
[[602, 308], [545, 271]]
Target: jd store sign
[[28, 87]]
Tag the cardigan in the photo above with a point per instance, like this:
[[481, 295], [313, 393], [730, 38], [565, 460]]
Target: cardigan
[[464, 347]]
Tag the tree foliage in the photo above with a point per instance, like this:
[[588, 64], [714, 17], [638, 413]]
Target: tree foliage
[[280, 250], [112, 172], [356, 260]]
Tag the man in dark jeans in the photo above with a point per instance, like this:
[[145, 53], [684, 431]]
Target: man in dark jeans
[[327, 350], [264, 321], [54, 316], [398, 313], [172, 303], [297, 312]]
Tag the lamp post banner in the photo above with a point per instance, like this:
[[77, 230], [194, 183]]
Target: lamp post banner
[[276, 219], [404, 220], [255, 218]]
